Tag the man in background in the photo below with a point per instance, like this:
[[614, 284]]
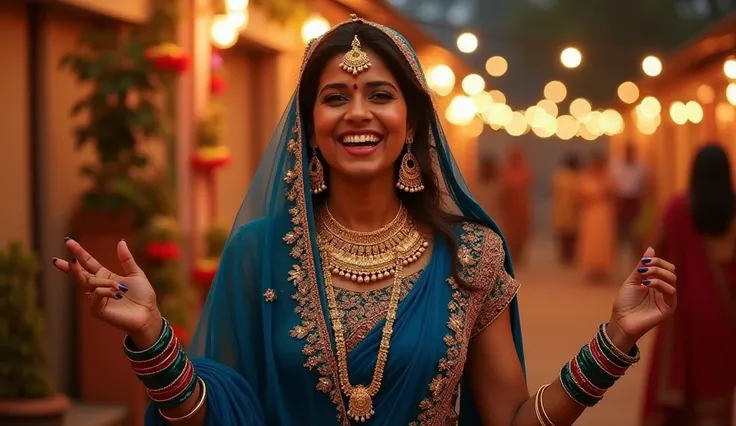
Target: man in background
[[630, 184]]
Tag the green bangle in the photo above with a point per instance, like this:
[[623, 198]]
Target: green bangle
[[573, 390], [592, 371], [167, 376], [134, 354]]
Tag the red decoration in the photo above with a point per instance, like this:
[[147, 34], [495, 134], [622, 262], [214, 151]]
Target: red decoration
[[209, 158], [162, 250], [168, 57], [204, 271], [218, 85]]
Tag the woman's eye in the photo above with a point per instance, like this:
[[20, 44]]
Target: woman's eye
[[382, 96], [334, 98]]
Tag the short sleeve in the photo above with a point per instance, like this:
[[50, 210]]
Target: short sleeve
[[500, 288]]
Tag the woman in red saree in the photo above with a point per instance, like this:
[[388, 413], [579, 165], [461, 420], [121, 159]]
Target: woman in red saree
[[693, 371]]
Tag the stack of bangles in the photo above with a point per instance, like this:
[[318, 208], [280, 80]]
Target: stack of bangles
[[588, 376], [166, 372]]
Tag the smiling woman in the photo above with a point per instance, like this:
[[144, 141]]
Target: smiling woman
[[362, 282]]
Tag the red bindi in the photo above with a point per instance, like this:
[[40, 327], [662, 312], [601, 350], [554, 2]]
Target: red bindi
[[355, 87]]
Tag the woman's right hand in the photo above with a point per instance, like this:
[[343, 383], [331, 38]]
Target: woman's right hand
[[126, 302]]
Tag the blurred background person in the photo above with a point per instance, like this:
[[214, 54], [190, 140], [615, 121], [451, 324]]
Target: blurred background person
[[566, 206], [693, 371], [488, 188], [629, 179], [516, 202], [597, 236]]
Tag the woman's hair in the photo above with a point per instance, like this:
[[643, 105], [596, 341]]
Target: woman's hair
[[712, 200], [423, 206]]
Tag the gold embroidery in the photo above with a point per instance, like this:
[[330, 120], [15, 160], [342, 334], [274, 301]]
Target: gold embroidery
[[481, 259]]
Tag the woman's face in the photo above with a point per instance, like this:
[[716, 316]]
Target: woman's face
[[360, 122]]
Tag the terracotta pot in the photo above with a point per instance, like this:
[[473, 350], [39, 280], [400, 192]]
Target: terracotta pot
[[105, 376], [34, 412]]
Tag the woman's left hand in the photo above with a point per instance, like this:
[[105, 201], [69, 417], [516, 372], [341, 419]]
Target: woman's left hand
[[646, 299]]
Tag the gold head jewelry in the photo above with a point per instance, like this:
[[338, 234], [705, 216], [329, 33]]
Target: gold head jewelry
[[356, 60]]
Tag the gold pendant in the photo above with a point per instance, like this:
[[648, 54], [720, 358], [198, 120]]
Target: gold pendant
[[360, 406]]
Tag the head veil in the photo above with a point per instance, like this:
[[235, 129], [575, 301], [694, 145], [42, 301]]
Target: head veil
[[273, 240]]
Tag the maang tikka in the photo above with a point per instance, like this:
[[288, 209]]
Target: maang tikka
[[316, 174], [410, 175], [356, 60]]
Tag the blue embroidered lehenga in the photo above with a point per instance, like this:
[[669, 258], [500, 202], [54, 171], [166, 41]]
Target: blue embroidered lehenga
[[273, 363]]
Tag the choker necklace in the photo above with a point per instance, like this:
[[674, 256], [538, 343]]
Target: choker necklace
[[369, 256]]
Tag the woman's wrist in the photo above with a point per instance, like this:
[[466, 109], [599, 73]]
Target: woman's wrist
[[619, 338], [149, 334]]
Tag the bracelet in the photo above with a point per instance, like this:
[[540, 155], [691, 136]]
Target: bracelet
[[135, 354], [595, 369], [198, 406], [542, 416]]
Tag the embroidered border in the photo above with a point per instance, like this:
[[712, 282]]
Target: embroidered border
[[476, 255], [303, 275]]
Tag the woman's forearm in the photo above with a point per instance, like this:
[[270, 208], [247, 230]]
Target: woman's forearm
[[593, 371]]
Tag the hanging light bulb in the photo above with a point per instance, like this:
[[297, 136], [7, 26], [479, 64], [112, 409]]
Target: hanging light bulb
[[314, 27]]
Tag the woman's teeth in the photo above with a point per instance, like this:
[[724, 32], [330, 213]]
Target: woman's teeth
[[361, 140]]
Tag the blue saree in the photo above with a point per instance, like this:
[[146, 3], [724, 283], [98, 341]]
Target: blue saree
[[271, 361]]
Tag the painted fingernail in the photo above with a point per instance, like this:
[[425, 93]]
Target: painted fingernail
[[642, 270], [646, 282], [73, 259], [66, 239], [122, 287], [646, 260], [118, 296], [122, 239], [54, 259]]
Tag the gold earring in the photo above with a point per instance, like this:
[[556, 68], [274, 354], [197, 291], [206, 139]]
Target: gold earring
[[316, 174], [410, 175]]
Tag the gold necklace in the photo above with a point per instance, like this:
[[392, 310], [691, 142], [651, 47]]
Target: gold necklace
[[360, 403], [369, 256]]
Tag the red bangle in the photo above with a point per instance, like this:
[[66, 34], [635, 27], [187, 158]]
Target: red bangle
[[585, 384], [171, 391], [605, 363]]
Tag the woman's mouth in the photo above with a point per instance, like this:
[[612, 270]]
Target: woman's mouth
[[360, 144]]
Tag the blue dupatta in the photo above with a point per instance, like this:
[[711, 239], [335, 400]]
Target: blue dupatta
[[271, 362]]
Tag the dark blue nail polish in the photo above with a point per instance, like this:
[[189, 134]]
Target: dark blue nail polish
[[122, 287], [54, 259], [73, 259], [642, 270], [118, 296], [66, 239], [646, 260], [646, 282]]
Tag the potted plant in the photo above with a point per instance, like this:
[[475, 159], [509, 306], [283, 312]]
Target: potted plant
[[27, 396]]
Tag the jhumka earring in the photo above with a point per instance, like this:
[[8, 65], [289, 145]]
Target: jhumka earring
[[410, 175], [355, 61], [316, 174]]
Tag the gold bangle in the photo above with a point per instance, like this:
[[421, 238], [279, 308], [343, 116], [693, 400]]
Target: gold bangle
[[197, 407], [537, 400], [541, 405]]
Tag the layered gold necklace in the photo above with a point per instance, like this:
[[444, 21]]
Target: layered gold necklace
[[364, 257]]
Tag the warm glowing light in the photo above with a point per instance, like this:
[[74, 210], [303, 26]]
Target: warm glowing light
[[474, 128], [549, 107], [498, 115], [731, 93], [579, 108], [239, 19], [694, 112], [517, 126], [705, 94], [463, 110], [592, 122], [473, 84], [649, 107], [496, 66], [236, 5], [611, 122], [467, 42], [628, 92], [725, 112], [223, 32], [497, 96], [482, 101], [586, 134], [567, 127], [729, 68], [441, 79], [678, 113], [535, 116], [571, 57], [652, 66], [314, 27], [555, 91]]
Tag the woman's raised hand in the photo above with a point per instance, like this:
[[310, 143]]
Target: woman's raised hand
[[127, 302]]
